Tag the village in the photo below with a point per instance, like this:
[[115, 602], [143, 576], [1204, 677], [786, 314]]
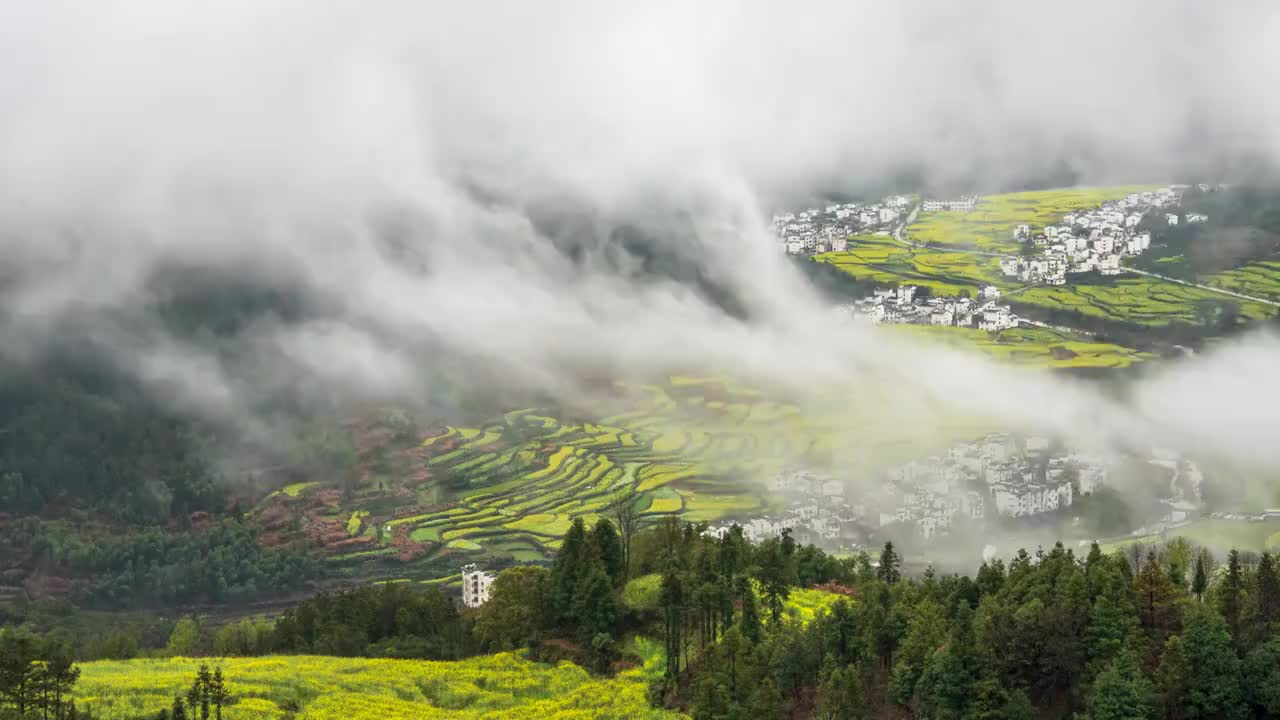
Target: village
[[906, 304], [819, 230], [1091, 240], [1000, 476]]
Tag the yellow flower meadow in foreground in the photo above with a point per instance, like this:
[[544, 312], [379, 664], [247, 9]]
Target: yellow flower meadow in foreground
[[323, 688]]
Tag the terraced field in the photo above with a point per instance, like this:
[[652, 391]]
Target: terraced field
[[1140, 300], [1260, 279], [879, 258], [990, 225], [506, 491], [1032, 347]]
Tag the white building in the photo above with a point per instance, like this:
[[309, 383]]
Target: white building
[[1171, 218], [475, 586]]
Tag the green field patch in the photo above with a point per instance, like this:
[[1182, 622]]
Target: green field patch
[[543, 524], [664, 501], [463, 544], [990, 225], [356, 522], [297, 489], [1034, 347], [425, 534]]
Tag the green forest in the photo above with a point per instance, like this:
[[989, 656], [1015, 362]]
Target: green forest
[[1174, 633]]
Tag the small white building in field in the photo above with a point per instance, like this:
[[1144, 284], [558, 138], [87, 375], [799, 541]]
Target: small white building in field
[[475, 586]]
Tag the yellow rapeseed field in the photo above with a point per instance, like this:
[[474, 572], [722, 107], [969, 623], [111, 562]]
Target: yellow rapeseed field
[[492, 687]]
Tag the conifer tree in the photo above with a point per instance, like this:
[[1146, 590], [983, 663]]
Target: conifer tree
[[1230, 594], [609, 547], [890, 570], [1121, 691], [1212, 668], [570, 565], [1268, 591], [1200, 578]]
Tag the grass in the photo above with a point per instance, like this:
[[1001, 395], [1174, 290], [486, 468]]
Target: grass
[[877, 258], [1219, 535], [1140, 300], [1030, 346], [1259, 279], [323, 688]]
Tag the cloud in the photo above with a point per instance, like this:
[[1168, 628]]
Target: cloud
[[542, 194]]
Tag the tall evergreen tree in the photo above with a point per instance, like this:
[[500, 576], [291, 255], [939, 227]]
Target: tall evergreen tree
[[1158, 611], [1268, 591], [594, 608], [1200, 578], [1171, 679], [890, 570], [609, 547], [840, 693], [1122, 692], [1262, 677], [571, 564], [1212, 667], [1231, 594], [1113, 619]]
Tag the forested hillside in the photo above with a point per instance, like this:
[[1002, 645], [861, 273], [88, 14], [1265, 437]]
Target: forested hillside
[[769, 630]]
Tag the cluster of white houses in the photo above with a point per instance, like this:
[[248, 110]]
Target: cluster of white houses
[[1000, 475], [902, 305], [816, 511], [997, 475], [818, 230], [1089, 241]]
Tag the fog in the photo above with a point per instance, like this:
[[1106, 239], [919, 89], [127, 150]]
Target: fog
[[463, 188]]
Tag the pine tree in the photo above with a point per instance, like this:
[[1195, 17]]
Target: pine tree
[[1158, 612], [609, 547], [1122, 692], [1230, 594], [840, 693], [593, 605], [1268, 590], [570, 564], [750, 619], [1200, 578], [890, 570], [1112, 620], [766, 701], [671, 599], [218, 694], [948, 682], [1171, 679], [1212, 668], [1262, 677], [926, 632]]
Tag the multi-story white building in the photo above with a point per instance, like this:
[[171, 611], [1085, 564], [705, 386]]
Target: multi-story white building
[[475, 586]]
